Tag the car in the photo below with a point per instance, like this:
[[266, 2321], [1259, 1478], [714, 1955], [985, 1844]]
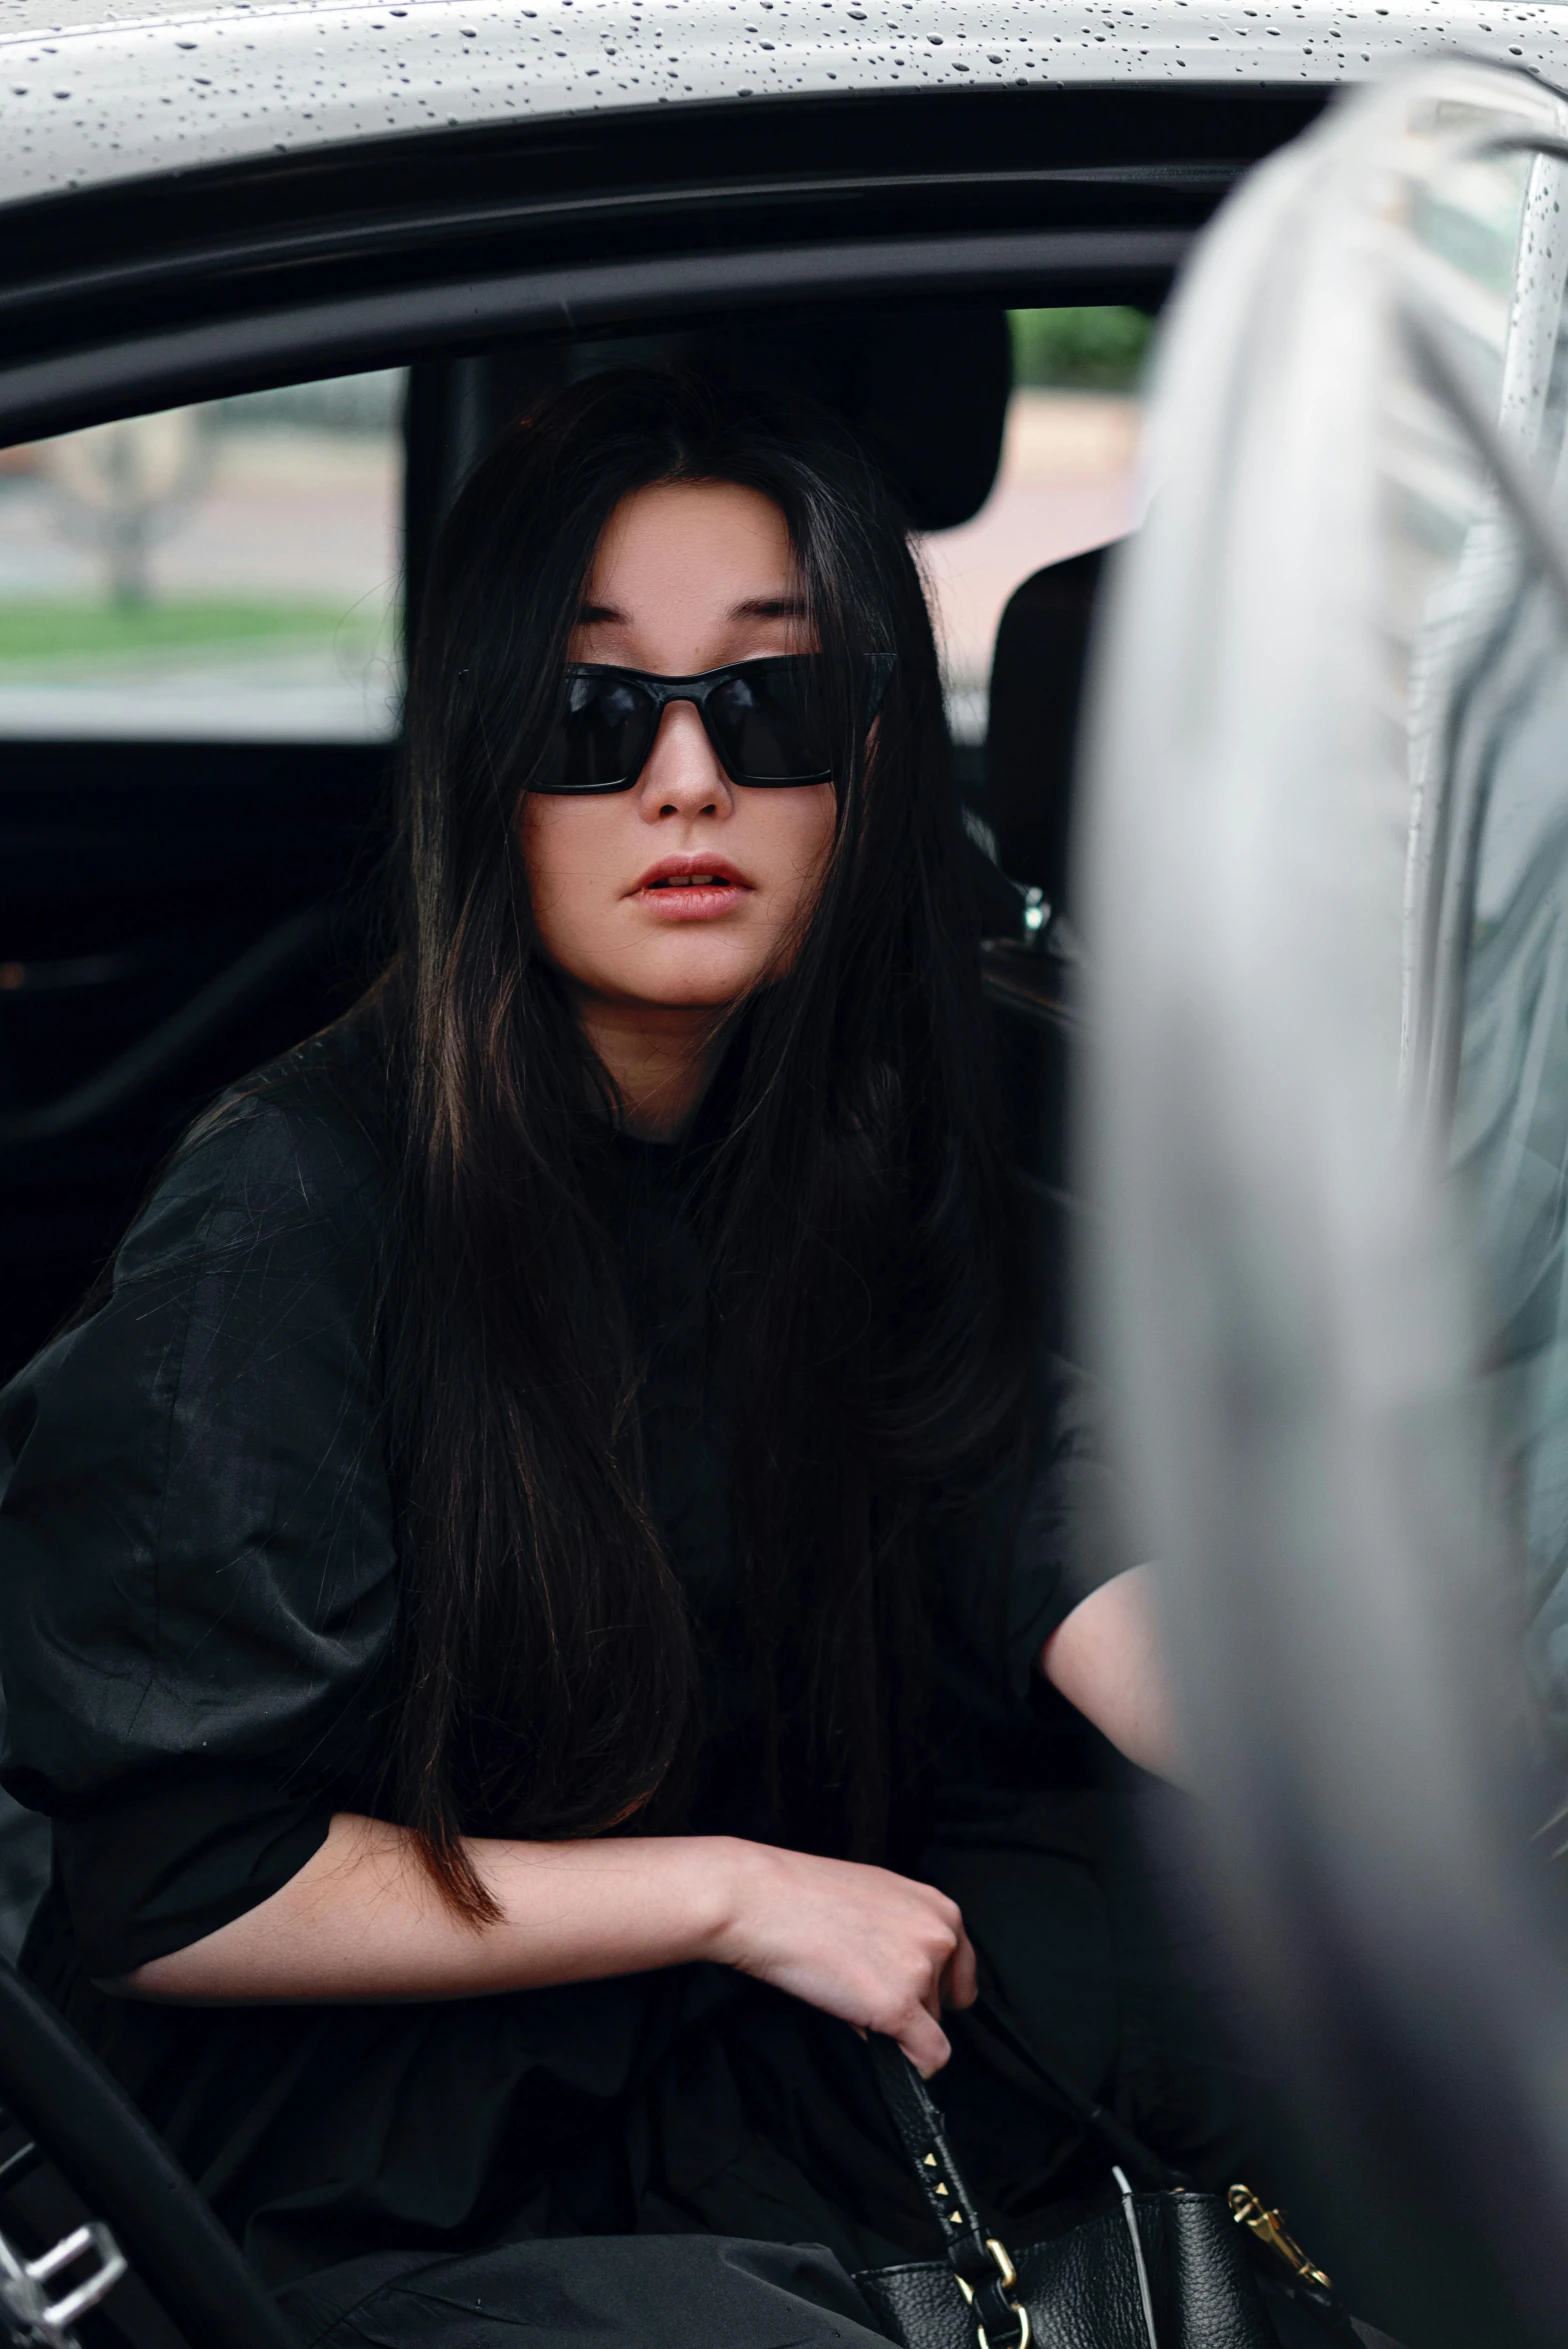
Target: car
[[365, 237], [204, 205]]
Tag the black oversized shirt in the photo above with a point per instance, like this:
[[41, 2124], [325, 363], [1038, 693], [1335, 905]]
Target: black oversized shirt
[[198, 1583], [198, 1611]]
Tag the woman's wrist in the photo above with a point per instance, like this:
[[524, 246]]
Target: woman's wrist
[[726, 1868], [663, 1900]]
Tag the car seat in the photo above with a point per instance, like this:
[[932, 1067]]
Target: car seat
[[1037, 677], [1024, 812]]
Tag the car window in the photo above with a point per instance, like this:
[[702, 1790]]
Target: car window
[[221, 572], [230, 571], [1068, 481]]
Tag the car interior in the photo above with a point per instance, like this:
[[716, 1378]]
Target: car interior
[[173, 910], [176, 909], [176, 912]]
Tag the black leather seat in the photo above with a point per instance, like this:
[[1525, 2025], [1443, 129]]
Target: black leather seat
[[1037, 676], [1037, 680]]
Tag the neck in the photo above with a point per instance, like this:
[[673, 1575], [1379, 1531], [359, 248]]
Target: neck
[[660, 1058]]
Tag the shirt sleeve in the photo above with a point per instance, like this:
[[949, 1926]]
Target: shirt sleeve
[[1070, 1536], [197, 1580]]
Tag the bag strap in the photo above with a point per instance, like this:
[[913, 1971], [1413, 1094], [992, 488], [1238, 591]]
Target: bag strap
[[989, 2021], [986, 2275]]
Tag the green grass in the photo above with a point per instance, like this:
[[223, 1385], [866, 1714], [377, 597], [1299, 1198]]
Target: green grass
[[43, 631], [1098, 349]]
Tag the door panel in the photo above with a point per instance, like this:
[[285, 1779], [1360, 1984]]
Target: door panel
[[132, 878]]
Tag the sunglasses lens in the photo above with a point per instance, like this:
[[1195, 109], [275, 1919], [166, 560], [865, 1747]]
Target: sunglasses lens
[[767, 721], [764, 717], [605, 732]]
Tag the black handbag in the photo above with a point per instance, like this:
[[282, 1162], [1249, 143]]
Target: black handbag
[[1166, 2267]]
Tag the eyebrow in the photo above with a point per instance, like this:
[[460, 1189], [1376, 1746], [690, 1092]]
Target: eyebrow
[[754, 607]]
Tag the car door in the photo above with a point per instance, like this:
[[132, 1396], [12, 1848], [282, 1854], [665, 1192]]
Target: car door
[[1324, 876]]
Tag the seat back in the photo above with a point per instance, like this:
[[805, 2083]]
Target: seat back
[[1037, 676]]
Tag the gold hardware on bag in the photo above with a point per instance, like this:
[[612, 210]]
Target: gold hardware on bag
[[1018, 2310], [1009, 2275], [1004, 2266], [1248, 2211]]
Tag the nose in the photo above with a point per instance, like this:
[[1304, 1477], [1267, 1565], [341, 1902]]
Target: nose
[[683, 776]]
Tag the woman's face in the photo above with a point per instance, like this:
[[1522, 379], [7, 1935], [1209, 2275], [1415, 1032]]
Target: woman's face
[[687, 889]]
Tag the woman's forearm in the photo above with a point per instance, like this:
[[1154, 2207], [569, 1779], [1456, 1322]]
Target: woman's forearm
[[364, 1920]]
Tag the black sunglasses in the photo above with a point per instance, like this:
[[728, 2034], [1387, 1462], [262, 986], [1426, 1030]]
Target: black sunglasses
[[763, 718]]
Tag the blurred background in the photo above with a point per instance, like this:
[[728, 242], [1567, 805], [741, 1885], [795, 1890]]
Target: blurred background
[[231, 571], [218, 572]]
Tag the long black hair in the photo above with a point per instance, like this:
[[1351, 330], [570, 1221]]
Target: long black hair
[[855, 1214]]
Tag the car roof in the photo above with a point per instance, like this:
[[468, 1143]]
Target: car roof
[[97, 91]]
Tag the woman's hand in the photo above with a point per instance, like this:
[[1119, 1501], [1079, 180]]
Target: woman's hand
[[876, 1949]]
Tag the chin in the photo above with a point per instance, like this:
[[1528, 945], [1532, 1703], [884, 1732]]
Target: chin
[[698, 982], [696, 997]]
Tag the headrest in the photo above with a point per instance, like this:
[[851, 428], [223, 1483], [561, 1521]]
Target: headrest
[[924, 387], [1037, 674]]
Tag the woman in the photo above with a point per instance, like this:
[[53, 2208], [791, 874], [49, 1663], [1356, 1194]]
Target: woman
[[531, 1574]]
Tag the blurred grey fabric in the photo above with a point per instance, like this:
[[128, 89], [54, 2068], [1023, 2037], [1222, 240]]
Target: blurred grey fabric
[[1510, 1130]]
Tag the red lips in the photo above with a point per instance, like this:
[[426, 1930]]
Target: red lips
[[691, 889], [688, 868]]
